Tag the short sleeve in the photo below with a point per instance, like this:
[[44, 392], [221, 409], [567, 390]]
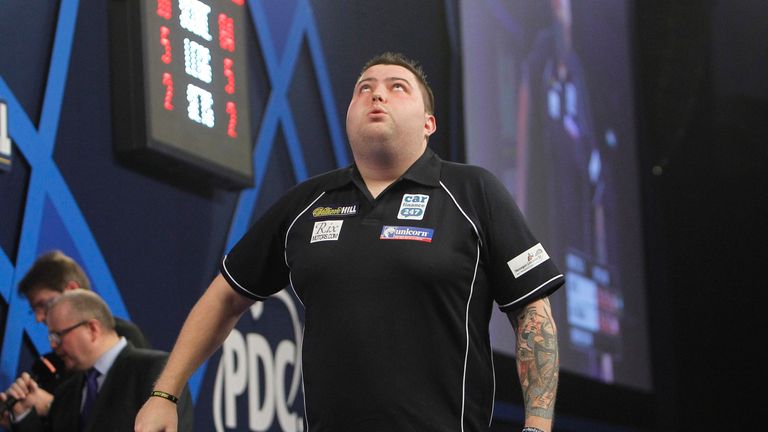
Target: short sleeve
[[255, 267], [518, 265]]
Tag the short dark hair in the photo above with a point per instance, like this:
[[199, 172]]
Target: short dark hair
[[398, 59], [53, 270]]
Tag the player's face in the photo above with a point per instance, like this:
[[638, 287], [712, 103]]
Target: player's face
[[38, 298], [388, 106]]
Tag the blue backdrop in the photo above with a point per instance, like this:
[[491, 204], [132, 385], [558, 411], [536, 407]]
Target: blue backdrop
[[151, 244]]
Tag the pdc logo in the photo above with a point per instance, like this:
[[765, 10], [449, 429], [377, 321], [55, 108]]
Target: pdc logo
[[268, 379]]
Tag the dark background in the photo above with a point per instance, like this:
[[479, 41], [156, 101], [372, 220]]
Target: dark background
[[701, 79], [701, 69]]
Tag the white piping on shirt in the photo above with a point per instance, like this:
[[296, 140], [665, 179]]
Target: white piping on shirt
[[466, 316], [285, 248], [290, 280], [237, 284], [532, 292], [290, 227]]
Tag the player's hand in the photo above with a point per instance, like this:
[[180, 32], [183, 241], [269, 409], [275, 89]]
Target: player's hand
[[157, 415]]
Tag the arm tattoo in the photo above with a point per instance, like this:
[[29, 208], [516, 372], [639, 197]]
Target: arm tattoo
[[538, 363]]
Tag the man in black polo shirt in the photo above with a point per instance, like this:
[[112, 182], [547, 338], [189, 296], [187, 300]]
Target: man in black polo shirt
[[397, 260]]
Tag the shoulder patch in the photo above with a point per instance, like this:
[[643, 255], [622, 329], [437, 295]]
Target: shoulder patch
[[527, 260]]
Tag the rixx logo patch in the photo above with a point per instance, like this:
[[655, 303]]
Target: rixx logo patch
[[413, 207], [327, 230], [389, 232]]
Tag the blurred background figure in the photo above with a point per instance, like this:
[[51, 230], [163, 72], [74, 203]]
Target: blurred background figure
[[110, 377]]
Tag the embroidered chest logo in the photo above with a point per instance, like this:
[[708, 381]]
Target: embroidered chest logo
[[389, 232], [335, 211], [413, 207], [327, 230]]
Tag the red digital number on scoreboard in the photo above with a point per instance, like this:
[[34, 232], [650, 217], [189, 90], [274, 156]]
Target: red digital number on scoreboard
[[226, 33], [164, 9], [229, 74], [168, 99], [165, 42], [232, 125]]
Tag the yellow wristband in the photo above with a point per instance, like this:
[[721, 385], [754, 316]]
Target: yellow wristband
[[165, 395]]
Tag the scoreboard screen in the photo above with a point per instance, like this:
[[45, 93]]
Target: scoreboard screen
[[179, 87]]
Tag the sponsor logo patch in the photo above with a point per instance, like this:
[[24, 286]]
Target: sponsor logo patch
[[335, 211], [389, 232], [413, 207], [527, 260], [328, 230]]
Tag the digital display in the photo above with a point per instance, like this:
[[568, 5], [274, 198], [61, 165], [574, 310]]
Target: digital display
[[548, 106], [5, 141], [184, 87]]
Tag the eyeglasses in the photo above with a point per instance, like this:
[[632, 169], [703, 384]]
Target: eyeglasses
[[56, 337]]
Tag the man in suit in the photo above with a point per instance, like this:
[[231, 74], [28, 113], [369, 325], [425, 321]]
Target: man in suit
[[51, 274], [112, 379]]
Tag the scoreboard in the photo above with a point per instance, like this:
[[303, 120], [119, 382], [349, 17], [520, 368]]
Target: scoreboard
[[179, 88]]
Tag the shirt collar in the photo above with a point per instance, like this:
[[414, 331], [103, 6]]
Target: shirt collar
[[105, 362], [426, 170]]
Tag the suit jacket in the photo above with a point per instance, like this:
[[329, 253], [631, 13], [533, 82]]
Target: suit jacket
[[126, 387]]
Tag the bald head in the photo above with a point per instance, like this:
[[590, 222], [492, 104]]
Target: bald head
[[85, 305]]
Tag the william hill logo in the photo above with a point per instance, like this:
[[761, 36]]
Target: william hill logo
[[337, 211]]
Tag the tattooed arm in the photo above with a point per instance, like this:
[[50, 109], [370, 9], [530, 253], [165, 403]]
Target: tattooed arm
[[538, 363]]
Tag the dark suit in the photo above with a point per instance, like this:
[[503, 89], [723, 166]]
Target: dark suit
[[125, 389]]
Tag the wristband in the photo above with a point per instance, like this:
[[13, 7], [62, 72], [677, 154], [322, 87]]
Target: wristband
[[164, 395], [531, 429]]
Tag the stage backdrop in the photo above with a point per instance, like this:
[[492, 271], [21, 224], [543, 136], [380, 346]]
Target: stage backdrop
[[80, 79], [150, 236]]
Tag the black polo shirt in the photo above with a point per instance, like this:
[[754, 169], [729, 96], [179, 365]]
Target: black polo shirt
[[397, 291]]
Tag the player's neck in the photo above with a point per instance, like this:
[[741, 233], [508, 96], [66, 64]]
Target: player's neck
[[380, 171], [377, 180]]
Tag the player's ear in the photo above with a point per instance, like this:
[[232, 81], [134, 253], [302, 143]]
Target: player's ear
[[430, 124]]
